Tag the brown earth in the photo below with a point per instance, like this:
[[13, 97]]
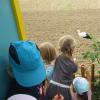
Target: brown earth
[[49, 26]]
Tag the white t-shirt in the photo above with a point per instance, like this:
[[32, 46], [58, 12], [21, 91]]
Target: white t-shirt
[[21, 97]]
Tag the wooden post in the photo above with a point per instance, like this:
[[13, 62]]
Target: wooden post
[[82, 71], [92, 76]]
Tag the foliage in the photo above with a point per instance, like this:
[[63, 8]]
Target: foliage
[[94, 57], [94, 54], [96, 93]]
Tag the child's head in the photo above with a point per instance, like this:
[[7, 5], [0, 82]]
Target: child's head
[[48, 51], [81, 86], [27, 64], [66, 44]]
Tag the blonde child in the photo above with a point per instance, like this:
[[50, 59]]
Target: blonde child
[[48, 53], [64, 69]]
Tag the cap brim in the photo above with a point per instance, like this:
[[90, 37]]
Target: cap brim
[[30, 78]]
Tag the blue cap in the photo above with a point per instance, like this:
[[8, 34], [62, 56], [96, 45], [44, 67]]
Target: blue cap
[[81, 85], [31, 70]]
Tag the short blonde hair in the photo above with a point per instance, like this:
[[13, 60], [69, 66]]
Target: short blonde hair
[[66, 44], [48, 51]]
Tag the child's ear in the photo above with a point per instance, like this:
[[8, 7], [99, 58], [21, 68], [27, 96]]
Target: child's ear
[[13, 54], [73, 89]]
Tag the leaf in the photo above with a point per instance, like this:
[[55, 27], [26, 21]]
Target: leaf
[[99, 71]]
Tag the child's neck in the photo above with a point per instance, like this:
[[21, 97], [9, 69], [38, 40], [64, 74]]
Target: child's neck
[[47, 62], [68, 56]]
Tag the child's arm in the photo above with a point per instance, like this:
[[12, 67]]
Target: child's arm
[[75, 66], [46, 85]]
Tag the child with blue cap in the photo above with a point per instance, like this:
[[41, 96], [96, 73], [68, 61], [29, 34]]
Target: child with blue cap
[[82, 89], [28, 69]]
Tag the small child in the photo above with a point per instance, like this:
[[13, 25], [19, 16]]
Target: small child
[[82, 89], [28, 70], [64, 69], [48, 53]]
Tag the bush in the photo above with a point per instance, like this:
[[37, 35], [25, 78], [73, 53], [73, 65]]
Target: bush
[[94, 57], [96, 93]]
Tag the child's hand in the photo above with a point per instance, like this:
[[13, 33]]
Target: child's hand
[[74, 59], [58, 97], [82, 65]]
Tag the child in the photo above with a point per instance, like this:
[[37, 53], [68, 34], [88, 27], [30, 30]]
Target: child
[[63, 70], [48, 53], [28, 69], [82, 89]]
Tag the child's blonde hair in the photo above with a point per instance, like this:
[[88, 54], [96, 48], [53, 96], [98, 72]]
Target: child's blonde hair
[[48, 51], [66, 44]]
